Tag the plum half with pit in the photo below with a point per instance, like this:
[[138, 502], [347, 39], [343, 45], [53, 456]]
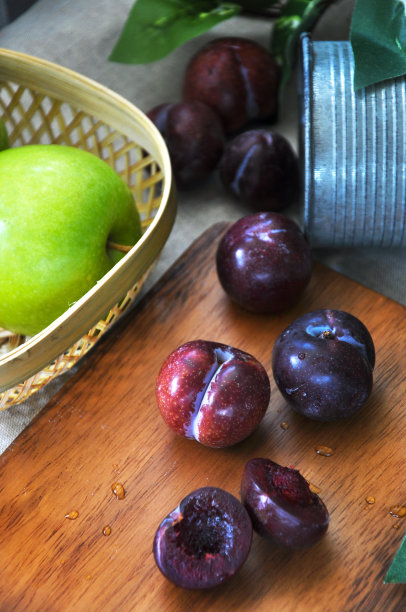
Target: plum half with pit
[[204, 540], [264, 262], [281, 504], [235, 76], [260, 168], [323, 364], [213, 393], [195, 139]]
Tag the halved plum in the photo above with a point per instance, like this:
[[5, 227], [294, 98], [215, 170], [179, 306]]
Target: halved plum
[[205, 540], [281, 504]]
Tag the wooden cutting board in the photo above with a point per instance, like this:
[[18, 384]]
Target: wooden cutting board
[[104, 427]]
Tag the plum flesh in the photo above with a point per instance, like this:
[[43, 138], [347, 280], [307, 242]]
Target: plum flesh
[[212, 392], [264, 262], [281, 505], [205, 540], [323, 364]]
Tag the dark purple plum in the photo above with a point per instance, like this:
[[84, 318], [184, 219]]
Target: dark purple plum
[[261, 169], [323, 364], [281, 505], [213, 393], [235, 76], [264, 262], [195, 139], [158, 116], [205, 540]]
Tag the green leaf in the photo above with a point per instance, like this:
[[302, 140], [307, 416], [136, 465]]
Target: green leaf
[[295, 7], [378, 39], [258, 5], [297, 16], [154, 28], [397, 570], [285, 27]]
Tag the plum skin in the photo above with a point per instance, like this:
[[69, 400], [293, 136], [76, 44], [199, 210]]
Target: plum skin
[[323, 364], [213, 393], [264, 262], [235, 76], [260, 168], [281, 505], [195, 139], [205, 540]]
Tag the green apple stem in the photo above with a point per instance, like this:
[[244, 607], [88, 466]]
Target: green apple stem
[[124, 248]]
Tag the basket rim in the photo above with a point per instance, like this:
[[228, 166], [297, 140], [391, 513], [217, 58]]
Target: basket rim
[[16, 63], [25, 360]]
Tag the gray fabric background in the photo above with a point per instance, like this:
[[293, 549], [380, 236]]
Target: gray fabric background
[[11, 9], [80, 34]]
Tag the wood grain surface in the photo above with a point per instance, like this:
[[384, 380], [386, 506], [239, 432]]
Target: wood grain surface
[[104, 428]]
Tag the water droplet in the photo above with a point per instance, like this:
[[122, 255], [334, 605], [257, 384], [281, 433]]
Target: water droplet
[[284, 425], [398, 511], [118, 490], [302, 355], [107, 530], [370, 499], [72, 515], [89, 577], [325, 451]]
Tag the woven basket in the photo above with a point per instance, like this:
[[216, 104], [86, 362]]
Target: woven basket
[[41, 102]]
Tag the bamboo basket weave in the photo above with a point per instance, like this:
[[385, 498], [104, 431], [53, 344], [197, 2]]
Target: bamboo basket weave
[[41, 102]]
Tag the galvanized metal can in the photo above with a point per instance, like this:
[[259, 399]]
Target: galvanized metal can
[[353, 151]]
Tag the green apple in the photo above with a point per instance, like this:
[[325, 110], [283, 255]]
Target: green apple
[[59, 208], [3, 136]]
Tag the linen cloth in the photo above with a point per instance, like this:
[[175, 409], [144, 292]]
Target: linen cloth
[[80, 34], [11, 9]]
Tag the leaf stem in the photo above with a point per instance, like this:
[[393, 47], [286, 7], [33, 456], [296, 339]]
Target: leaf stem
[[124, 248]]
